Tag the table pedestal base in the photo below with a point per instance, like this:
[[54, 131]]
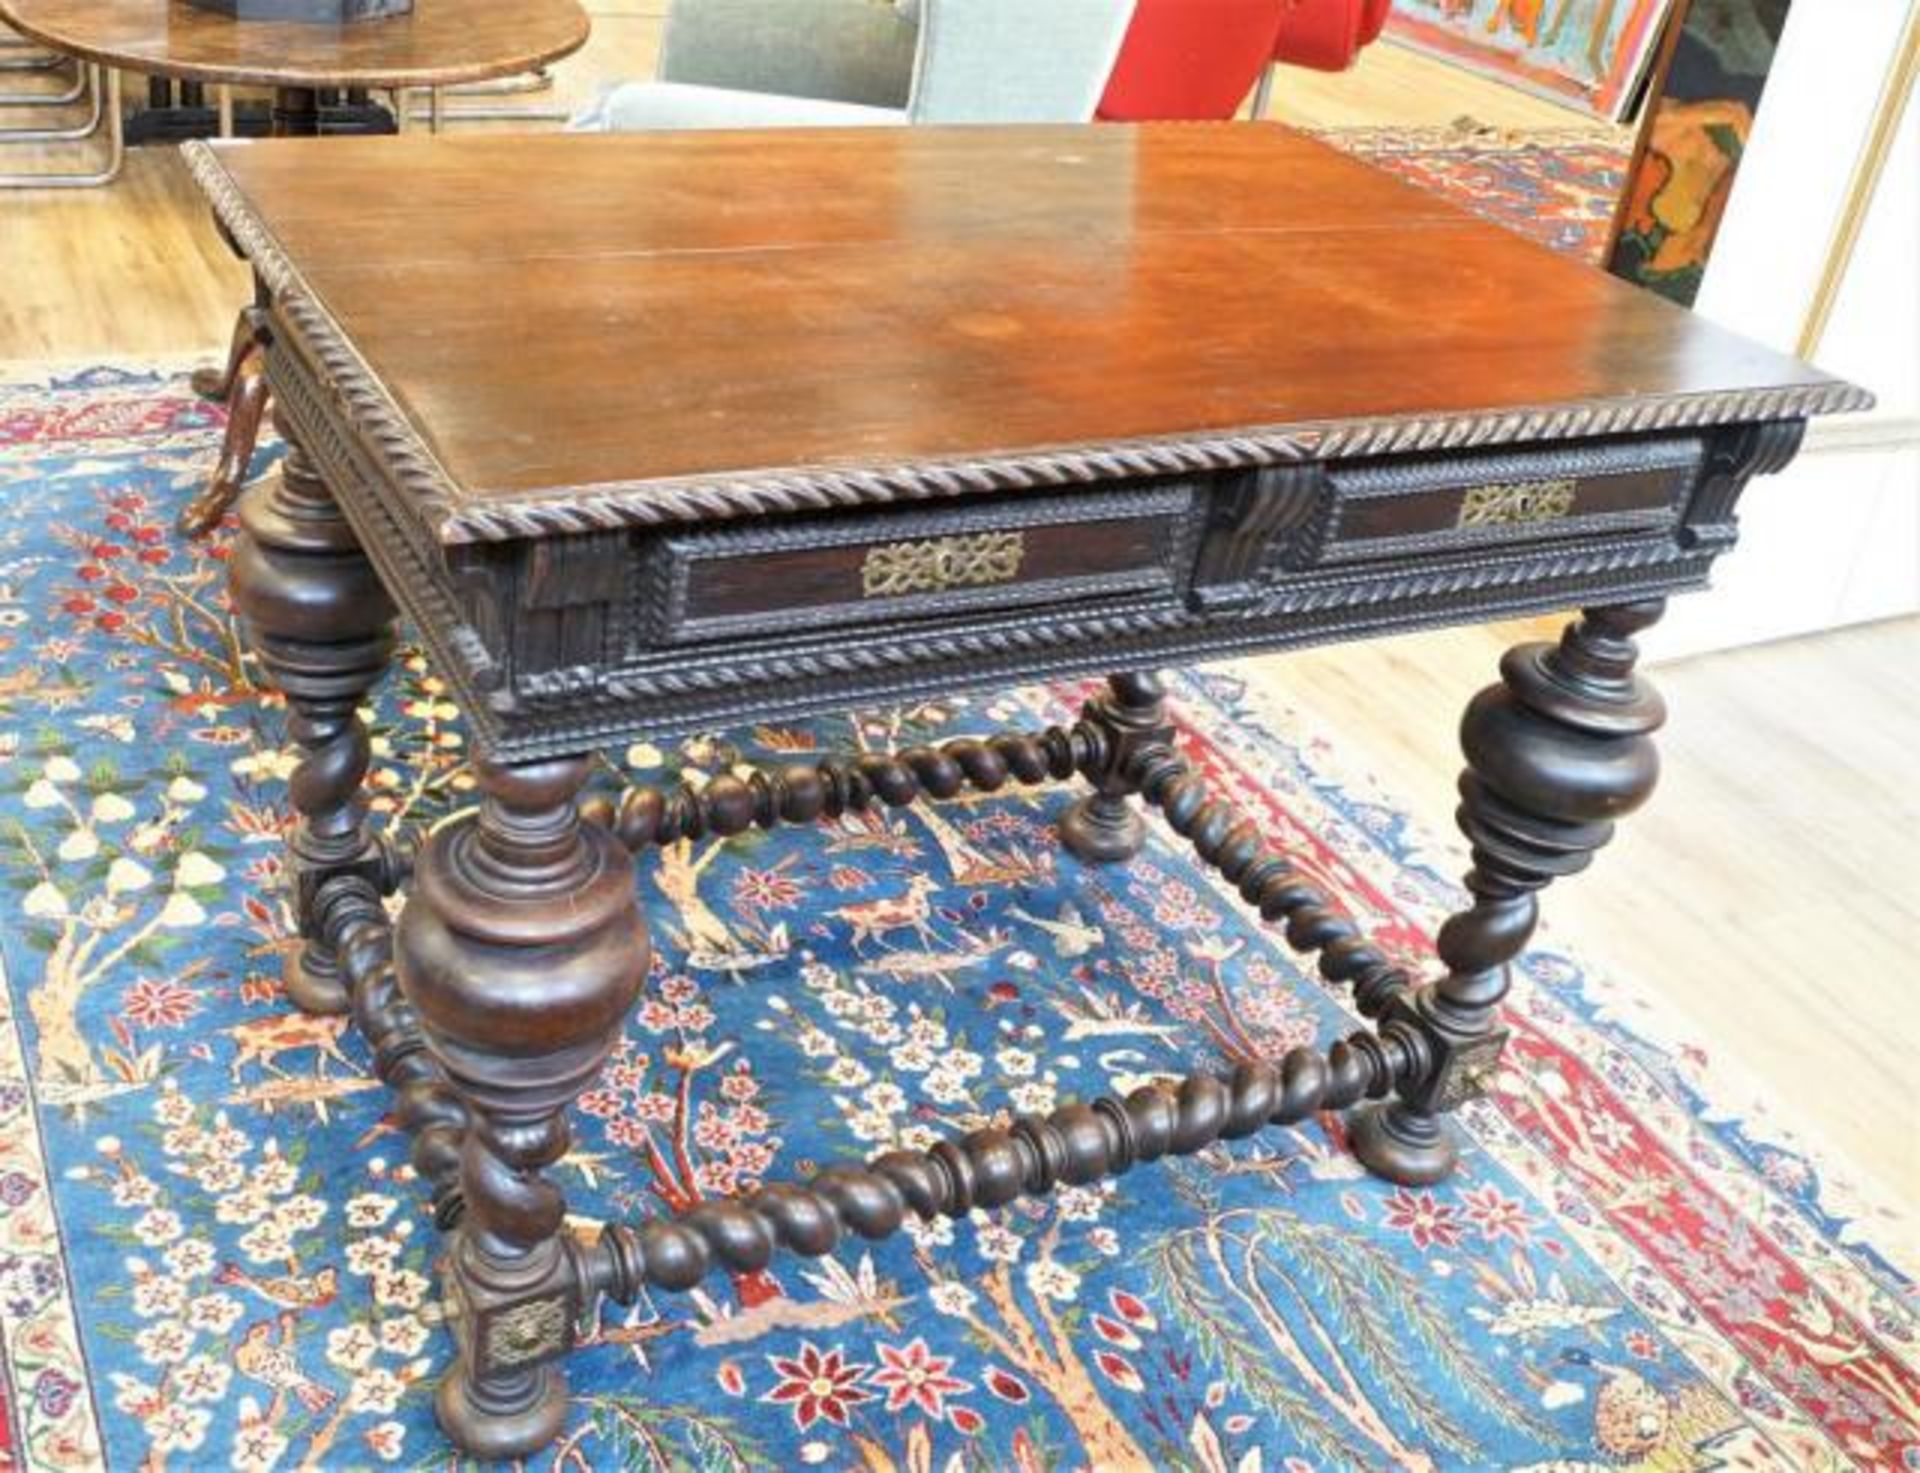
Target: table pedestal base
[[523, 945]]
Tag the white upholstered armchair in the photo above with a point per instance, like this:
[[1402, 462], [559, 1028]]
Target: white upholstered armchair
[[831, 63]]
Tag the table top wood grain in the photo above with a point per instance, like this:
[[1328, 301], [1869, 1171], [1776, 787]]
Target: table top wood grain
[[551, 332], [441, 43]]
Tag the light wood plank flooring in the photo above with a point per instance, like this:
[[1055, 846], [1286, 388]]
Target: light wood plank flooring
[[1770, 896]]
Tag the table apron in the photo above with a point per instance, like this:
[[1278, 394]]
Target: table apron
[[558, 644]]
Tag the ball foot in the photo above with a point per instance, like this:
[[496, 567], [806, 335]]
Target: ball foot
[[497, 1424], [211, 381], [312, 981], [1401, 1145], [1103, 830]]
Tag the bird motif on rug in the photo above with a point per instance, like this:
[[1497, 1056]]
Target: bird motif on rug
[[289, 1291], [262, 1357], [1637, 1426]]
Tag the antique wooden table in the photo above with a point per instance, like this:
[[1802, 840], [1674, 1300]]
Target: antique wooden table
[[651, 433]]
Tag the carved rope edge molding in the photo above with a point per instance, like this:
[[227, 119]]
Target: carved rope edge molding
[[457, 519]]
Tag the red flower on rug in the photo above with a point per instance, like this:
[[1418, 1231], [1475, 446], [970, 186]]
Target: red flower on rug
[[1495, 1215], [1423, 1218], [819, 1385], [915, 1376], [156, 1002]]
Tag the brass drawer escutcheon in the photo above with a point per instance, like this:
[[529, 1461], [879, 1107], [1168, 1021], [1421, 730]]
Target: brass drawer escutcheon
[[935, 564], [1517, 503]]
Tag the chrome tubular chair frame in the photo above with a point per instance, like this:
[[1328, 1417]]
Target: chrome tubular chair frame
[[104, 114], [89, 86], [49, 99], [436, 115]]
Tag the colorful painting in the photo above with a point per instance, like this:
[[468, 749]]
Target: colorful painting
[[1591, 53], [1696, 133], [213, 1253]]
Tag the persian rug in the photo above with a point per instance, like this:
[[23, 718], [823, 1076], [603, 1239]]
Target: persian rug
[[212, 1254], [1591, 53], [1557, 185]]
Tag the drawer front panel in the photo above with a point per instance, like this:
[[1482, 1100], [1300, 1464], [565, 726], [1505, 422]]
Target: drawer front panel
[[1422, 505], [729, 583]]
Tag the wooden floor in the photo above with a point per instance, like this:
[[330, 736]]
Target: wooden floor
[[1769, 900]]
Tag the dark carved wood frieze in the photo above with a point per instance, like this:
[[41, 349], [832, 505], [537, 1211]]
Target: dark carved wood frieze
[[559, 642]]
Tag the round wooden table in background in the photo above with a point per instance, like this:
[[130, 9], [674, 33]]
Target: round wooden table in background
[[441, 43]]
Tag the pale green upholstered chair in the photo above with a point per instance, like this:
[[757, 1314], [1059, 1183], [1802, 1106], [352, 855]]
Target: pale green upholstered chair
[[834, 63]]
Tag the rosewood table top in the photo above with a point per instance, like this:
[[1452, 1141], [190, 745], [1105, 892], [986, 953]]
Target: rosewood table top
[[708, 312], [655, 433], [440, 43]]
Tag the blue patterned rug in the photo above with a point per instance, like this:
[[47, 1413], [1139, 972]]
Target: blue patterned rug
[[211, 1254]]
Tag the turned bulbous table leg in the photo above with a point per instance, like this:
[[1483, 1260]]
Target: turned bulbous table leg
[[1556, 752], [321, 626], [522, 947]]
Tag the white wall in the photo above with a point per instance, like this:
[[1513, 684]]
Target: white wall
[[1835, 539]]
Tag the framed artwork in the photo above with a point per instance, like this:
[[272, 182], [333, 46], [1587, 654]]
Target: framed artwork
[[1591, 53], [1699, 116]]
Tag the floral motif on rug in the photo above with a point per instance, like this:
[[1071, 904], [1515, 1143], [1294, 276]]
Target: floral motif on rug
[[213, 1255], [1555, 185]]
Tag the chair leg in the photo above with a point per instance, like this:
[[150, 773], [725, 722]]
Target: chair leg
[[48, 99], [86, 84], [217, 383], [106, 82], [246, 407], [538, 80]]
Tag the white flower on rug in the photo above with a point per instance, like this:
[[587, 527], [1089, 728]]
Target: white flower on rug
[[42, 793], [386, 1441], [80, 844], [403, 1290], [195, 870], [267, 1242], [125, 876], [997, 1244], [164, 1343], [214, 1313], [111, 808], [352, 1347], [378, 1391], [155, 1294], [182, 912], [405, 1334], [202, 1378], [370, 1210], [190, 1258], [257, 1447], [366, 1256], [950, 1296], [157, 1227], [176, 1428], [1053, 1280]]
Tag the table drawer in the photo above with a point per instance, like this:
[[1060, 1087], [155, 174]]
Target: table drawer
[[777, 580], [1387, 508]]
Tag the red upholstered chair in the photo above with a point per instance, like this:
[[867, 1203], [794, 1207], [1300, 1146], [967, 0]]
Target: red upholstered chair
[[1326, 35], [1191, 59]]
